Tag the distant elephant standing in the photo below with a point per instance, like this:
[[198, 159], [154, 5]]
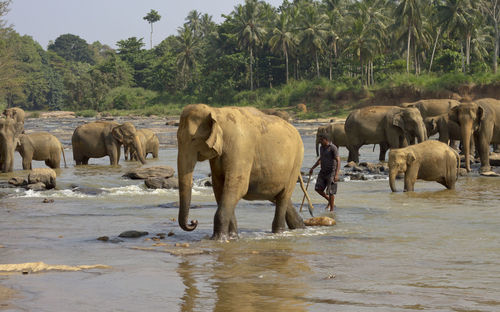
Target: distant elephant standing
[[149, 142], [15, 113], [430, 161], [480, 119], [104, 138], [449, 130], [389, 126], [9, 131], [40, 146], [252, 155], [432, 107]]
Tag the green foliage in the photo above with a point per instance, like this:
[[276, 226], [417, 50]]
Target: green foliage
[[127, 98], [448, 61], [72, 48], [86, 113]]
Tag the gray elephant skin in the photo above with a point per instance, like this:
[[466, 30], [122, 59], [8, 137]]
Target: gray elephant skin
[[430, 161], [40, 146], [9, 131], [252, 155], [149, 142], [389, 126], [432, 107], [480, 119], [15, 113], [104, 138]]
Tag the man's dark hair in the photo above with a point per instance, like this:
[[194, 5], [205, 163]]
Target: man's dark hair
[[323, 136]]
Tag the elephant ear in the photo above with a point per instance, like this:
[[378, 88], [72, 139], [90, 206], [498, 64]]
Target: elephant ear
[[453, 114], [398, 121], [117, 134], [410, 158], [214, 141]]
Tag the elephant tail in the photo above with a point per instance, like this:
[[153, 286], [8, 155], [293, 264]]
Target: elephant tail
[[458, 163], [310, 206], [64, 156]]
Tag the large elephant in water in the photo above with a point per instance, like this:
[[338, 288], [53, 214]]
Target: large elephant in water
[[40, 146], [335, 133], [9, 131], [430, 161], [389, 126], [252, 156], [149, 142], [480, 119], [104, 138]]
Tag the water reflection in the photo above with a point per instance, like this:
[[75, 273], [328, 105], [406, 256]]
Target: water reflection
[[247, 276]]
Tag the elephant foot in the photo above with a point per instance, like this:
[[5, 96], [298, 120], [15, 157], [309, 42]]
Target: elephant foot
[[233, 235], [277, 230], [484, 169], [220, 237]]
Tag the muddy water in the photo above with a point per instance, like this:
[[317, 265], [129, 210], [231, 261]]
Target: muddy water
[[434, 249]]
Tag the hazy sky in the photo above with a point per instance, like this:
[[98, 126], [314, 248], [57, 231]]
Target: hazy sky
[[109, 21]]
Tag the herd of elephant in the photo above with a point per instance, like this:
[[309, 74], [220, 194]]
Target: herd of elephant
[[257, 156], [92, 140], [475, 123]]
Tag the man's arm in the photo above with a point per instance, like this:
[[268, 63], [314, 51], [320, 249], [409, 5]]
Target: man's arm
[[337, 170], [316, 164]]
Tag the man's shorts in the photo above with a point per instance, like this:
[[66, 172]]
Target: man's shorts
[[326, 182]]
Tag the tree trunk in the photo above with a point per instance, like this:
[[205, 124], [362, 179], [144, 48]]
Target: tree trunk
[[408, 50], [251, 69], [151, 36], [495, 52], [467, 50], [286, 61], [434, 49], [317, 64], [462, 56]]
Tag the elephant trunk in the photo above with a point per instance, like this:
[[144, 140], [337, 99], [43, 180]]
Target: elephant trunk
[[422, 133], [139, 150], [466, 132], [393, 172], [185, 167], [7, 156]]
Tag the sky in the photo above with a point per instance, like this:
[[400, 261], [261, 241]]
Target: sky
[[109, 21]]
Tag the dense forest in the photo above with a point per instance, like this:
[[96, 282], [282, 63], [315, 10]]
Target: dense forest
[[257, 52]]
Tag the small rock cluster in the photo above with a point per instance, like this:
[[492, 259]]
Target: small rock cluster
[[360, 171], [155, 177], [38, 179]]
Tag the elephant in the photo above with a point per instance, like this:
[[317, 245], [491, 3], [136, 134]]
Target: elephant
[[432, 107], [480, 119], [9, 131], [149, 142], [252, 155], [430, 161], [449, 130], [40, 146], [15, 113], [389, 126], [104, 138]]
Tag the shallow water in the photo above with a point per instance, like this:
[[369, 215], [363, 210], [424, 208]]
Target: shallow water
[[433, 249]]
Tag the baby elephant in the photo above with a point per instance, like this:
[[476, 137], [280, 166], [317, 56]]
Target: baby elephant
[[430, 161], [40, 146]]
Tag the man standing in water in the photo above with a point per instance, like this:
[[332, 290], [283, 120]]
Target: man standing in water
[[329, 174]]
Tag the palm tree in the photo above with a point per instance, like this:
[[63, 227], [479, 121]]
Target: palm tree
[[333, 33], [193, 20], [250, 29], [283, 38], [491, 8], [458, 16], [188, 49], [408, 15], [152, 17], [313, 30]]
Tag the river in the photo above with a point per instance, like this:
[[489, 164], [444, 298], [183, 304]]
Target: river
[[433, 249]]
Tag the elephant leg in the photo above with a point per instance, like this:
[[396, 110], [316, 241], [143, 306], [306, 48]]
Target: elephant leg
[[383, 150], [410, 178], [282, 203], [26, 163], [496, 148], [293, 219], [218, 187], [483, 139], [85, 160], [354, 153]]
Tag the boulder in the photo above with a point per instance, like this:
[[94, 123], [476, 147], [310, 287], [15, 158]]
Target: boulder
[[302, 108], [150, 172], [319, 221], [46, 176], [39, 186], [495, 159], [162, 183], [18, 181], [132, 234]]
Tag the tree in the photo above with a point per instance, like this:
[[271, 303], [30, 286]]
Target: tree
[[250, 31], [73, 48], [283, 38], [313, 30], [408, 15], [188, 45], [491, 8], [152, 17]]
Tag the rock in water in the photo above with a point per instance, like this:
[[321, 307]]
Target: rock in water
[[319, 221], [149, 172], [133, 234], [46, 176]]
